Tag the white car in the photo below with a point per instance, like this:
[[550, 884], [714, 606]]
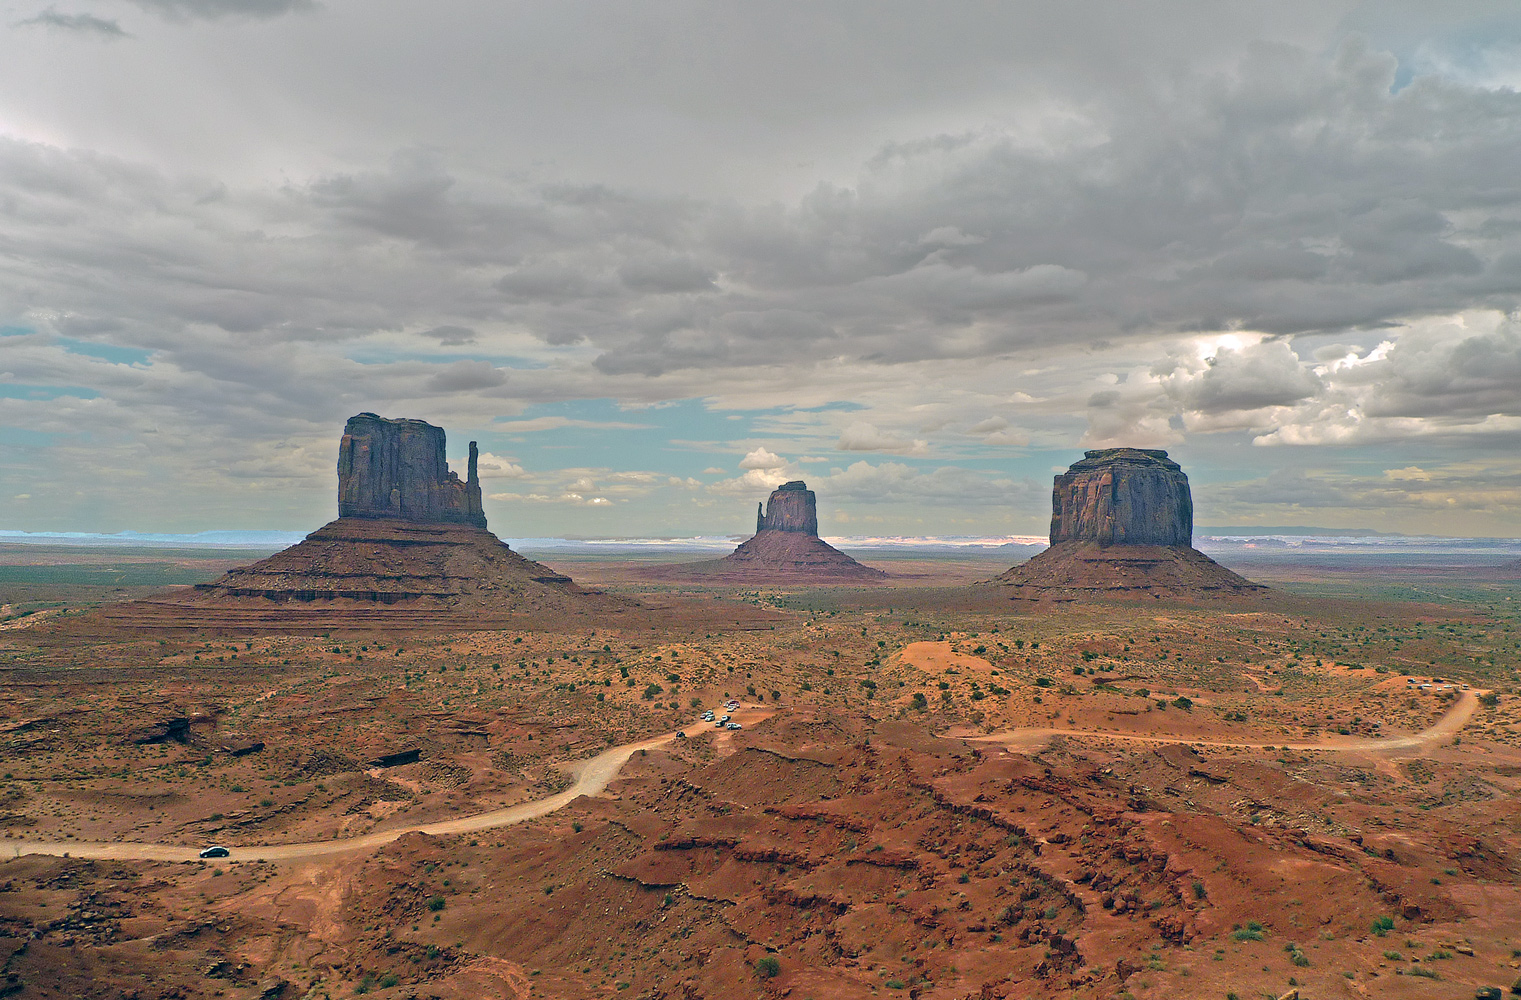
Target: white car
[[733, 725]]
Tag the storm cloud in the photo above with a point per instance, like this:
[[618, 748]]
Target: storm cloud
[[1072, 239]]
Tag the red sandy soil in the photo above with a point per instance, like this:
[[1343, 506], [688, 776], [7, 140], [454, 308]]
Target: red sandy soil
[[1194, 801]]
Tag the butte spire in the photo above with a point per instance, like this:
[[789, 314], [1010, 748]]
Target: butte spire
[[1122, 524]]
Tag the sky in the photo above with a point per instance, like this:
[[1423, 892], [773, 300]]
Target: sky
[[658, 258]]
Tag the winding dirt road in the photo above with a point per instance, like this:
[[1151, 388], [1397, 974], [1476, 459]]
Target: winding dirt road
[[1439, 732], [591, 777]]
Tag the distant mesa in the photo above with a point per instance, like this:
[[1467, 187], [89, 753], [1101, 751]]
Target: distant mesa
[[409, 534], [786, 548], [1122, 523]]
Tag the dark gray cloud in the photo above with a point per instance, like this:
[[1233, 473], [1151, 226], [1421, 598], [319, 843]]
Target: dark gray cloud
[[996, 219], [213, 10], [79, 24]]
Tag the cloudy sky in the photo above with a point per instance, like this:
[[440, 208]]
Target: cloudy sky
[[659, 257]]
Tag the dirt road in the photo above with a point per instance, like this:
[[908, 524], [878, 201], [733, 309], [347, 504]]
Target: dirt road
[[591, 777], [1439, 732]]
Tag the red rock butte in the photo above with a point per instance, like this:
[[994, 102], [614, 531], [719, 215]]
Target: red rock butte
[[1122, 524], [785, 549], [410, 546]]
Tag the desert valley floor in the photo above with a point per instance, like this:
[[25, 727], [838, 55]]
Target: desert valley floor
[[935, 793]]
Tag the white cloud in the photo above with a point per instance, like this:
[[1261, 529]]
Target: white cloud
[[491, 466], [862, 436], [760, 458]]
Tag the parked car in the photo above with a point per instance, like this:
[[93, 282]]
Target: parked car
[[215, 852], [733, 725], [681, 734]]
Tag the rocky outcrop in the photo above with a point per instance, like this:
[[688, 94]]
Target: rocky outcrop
[[791, 507], [397, 469], [1122, 524], [1123, 496], [786, 548]]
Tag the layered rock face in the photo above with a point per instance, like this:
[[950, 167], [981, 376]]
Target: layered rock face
[[1122, 524], [397, 469], [1123, 496], [786, 548], [791, 507]]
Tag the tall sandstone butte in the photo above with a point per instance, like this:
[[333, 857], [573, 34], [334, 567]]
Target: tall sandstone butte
[[397, 468], [791, 507], [786, 548], [1123, 496], [408, 533], [1122, 523]]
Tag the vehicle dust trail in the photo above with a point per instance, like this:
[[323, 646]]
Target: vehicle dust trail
[[591, 777], [1440, 731]]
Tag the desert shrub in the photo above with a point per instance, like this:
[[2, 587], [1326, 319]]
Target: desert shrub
[[768, 967], [920, 702], [1044, 682], [652, 690], [1383, 925], [1251, 932], [1183, 702], [1198, 890], [436, 903], [1489, 699]]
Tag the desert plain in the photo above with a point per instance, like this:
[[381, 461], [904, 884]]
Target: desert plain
[[936, 792]]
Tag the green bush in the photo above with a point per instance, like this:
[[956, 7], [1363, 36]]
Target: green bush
[[768, 967], [1251, 932], [1383, 925], [436, 903]]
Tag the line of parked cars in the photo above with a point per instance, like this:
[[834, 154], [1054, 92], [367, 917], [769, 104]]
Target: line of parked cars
[[722, 723]]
